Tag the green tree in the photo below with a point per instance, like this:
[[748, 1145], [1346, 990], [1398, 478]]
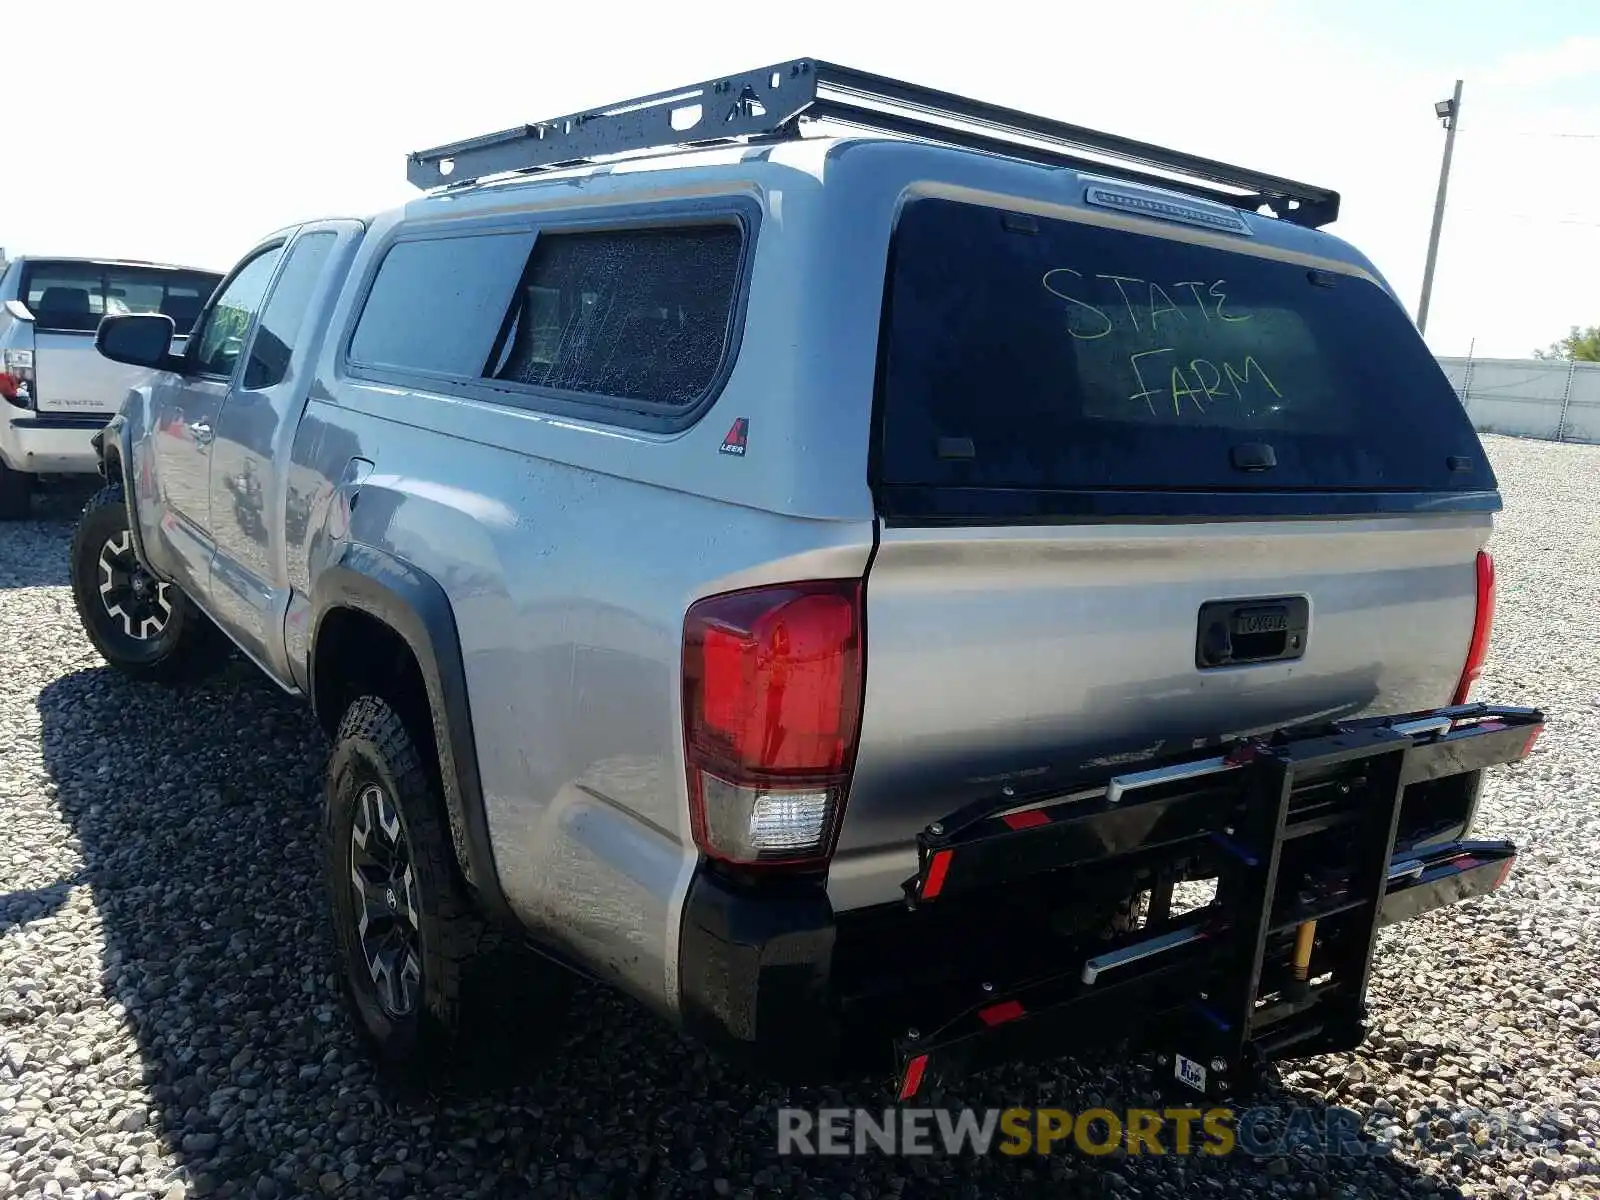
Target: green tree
[[1581, 344]]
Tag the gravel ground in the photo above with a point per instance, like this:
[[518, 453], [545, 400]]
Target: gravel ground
[[168, 1026]]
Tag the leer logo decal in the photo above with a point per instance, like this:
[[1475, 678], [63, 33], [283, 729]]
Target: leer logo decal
[[738, 435]]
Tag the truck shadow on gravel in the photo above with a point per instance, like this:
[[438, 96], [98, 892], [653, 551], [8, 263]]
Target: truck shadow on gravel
[[198, 813]]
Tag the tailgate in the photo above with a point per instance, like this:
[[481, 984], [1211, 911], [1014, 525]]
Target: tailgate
[[68, 298], [1141, 488], [1032, 657], [72, 377]]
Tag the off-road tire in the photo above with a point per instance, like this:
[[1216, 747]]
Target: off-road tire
[[16, 492], [464, 959], [186, 646]]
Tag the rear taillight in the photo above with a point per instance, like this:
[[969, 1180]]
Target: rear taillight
[[1482, 625], [16, 377], [771, 710]]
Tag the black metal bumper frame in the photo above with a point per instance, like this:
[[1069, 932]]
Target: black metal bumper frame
[[1215, 989]]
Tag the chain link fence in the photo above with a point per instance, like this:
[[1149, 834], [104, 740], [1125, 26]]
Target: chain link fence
[[1552, 399]]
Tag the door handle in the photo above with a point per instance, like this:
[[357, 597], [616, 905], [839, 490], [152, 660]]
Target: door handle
[[201, 432]]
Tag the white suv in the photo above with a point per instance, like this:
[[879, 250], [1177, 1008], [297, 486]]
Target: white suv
[[56, 390]]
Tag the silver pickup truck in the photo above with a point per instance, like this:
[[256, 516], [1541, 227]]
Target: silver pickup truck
[[906, 601], [55, 390]]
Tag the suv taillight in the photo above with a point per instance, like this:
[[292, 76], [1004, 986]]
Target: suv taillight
[[16, 377], [772, 681], [1482, 625]]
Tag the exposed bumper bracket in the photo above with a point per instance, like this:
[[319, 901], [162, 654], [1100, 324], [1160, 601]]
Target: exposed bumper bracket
[[1225, 987]]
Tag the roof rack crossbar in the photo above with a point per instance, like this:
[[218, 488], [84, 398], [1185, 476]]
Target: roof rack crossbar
[[849, 114], [768, 103]]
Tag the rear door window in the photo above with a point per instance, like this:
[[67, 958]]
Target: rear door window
[[1023, 353], [73, 296]]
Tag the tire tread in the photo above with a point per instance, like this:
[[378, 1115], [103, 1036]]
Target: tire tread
[[455, 934]]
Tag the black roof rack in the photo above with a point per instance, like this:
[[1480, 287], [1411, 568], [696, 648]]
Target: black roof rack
[[768, 104]]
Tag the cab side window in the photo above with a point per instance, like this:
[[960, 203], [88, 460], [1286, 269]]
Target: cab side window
[[221, 338]]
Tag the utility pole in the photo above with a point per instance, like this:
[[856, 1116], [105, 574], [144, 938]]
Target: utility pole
[[1449, 112]]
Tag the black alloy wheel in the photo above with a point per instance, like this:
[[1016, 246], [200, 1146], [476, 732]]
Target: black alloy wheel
[[133, 599], [384, 901]]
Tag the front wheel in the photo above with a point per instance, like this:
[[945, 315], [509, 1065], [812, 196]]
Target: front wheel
[[142, 626]]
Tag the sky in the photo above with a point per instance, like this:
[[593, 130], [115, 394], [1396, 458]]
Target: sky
[[184, 131]]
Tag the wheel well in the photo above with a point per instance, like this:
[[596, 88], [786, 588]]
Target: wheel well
[[358, 655]]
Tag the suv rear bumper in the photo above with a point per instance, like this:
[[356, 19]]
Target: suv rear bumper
[[772, 976], [49, 443]]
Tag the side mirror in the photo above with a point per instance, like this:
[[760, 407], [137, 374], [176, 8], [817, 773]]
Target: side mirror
[[138, 339]]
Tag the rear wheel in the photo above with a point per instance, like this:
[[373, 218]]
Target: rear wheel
[[142, 626], [15, 492], [409, 941]]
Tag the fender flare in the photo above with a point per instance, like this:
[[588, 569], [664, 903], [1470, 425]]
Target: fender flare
[[413, 605], [111, 447]]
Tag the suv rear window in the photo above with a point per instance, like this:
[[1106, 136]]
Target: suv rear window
[[73, 296], [1033, 354]]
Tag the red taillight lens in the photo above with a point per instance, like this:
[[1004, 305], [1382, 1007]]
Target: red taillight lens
[[1482, 626], [16, 377], [771, 710]]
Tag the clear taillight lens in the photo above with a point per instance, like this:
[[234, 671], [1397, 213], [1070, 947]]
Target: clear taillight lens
[[740, 823], [772, 682]]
